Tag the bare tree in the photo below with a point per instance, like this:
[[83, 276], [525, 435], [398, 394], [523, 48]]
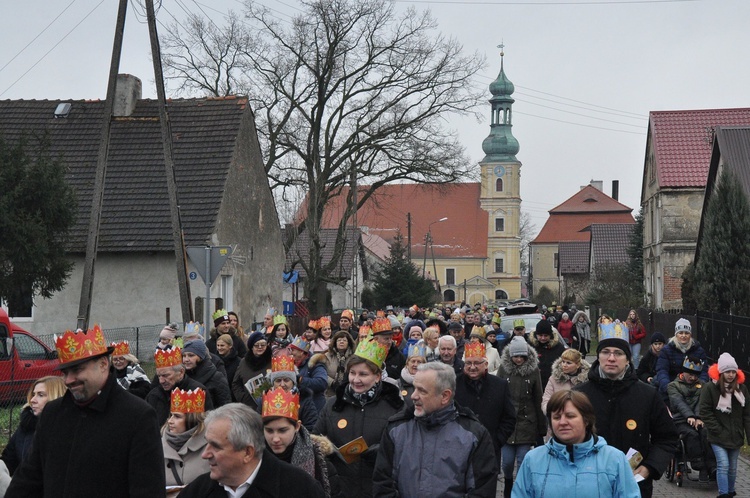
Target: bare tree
[[526, 232], [349, 92]]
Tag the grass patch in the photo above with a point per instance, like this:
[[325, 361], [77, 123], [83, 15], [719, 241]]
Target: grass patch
[[9, 416]]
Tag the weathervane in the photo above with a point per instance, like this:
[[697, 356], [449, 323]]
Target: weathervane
[[502, 52]]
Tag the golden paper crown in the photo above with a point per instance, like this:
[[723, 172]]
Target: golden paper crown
[[188, 401], [167, 357], [314, 324], [280, 403], [380, 325], [478, 331], [365, 329], [80, 345], [370, 349], [380, 314], [324, 321], [348, 314], [219, 313], [475, 350], [121, 348], [282, 363], [280, 319]]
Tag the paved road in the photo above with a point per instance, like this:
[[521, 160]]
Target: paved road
[[690, 489]]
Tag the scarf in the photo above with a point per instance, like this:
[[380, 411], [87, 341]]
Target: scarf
[[131, 373], [621, 376], [177, 441], [725, 401], [438, 417], [683, 348], [363, 398], [407, 377]]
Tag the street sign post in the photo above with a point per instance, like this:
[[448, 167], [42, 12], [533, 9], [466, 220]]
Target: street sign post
[[208, 261]]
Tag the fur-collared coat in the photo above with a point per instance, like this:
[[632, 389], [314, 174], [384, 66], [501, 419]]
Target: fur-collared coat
[[559, 380], [547, 353], [526, 394], [343, 420]]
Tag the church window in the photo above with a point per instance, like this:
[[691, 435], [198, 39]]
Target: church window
[[450, 276], [499, 185], [499, 265], [499, 224]]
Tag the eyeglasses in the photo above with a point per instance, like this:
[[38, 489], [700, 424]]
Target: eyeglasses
[[474, 363], [606, 353], [260, 346], [519, 328]]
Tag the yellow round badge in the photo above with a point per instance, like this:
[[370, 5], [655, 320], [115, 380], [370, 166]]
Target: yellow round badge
[[631, 424], [404, 393], [342, 423]]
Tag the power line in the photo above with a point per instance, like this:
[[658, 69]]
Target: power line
[[37, 36], [582, 115], [546, 3], [579, 124], [51, 49]]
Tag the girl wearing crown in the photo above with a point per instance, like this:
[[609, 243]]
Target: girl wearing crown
[[290, 441], [280, 337], [183, 438], [323, 339], [360, 408]]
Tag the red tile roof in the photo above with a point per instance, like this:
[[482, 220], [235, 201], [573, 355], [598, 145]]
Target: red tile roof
[[589, 205], [682, 142], [462, 235]]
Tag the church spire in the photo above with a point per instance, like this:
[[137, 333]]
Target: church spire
[[501, 145]]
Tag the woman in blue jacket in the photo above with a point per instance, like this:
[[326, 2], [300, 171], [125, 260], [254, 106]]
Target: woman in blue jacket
[[575, 461]]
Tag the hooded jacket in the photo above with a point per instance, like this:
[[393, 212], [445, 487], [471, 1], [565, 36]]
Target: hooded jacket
[[525, 388], [447, 453], [727, 430], [343, 420], [591, 469], [559, 380], [669, 363], [313, 375], [631, 414], [547, 353]]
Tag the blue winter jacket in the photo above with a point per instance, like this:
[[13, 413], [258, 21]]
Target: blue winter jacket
[[313, 375], [593, 470], [669, 363]]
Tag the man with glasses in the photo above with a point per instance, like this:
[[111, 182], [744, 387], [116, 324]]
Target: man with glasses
[[486, 395], [629, 413]]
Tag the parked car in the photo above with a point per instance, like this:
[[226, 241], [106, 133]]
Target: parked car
[[520, 309], [23, 359]]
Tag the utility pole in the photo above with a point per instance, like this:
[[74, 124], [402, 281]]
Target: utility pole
[[355, 277], [408, 236], [166, 139], [92, 243]]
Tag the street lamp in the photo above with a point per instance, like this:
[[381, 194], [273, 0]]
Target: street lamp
[[428, 240]]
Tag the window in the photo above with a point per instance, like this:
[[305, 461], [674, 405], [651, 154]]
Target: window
[[501, 294], [499, 224], [226, 291], [499, 265], [556, 260], [450, 276], [499, 185], [449, 295], [25, 308], [28, 348]]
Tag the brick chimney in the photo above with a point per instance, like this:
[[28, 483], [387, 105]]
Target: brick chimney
[[127, 94]]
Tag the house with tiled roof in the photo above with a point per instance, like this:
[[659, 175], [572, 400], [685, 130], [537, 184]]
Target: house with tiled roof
[[463, 236], [573, 257], [567, 222], [351, 269], [678, 152], [217, 165]]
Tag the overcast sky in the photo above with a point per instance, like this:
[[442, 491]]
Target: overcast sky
[[586, 72]]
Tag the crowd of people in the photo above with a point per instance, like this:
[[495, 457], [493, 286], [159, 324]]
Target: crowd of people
[[414, 403]]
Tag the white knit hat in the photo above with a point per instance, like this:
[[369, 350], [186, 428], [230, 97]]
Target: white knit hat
[[726, 363], [683, 325]]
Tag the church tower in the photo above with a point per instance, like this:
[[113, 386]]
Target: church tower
[[501, 191]]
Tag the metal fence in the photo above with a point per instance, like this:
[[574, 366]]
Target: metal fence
[[142, 341]]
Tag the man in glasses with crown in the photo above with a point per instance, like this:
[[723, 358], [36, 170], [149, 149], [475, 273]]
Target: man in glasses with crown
[[98, 439]]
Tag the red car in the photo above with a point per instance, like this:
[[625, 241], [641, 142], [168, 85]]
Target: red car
[[23, 359]]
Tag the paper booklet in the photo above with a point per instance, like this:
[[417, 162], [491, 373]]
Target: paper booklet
[[350, 451]]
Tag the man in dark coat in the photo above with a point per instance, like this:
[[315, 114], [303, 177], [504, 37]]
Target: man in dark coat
[[435, 447], [548, 345], [170, 373], [630, 413], [395, 360], [98, 439], [487, 396], [448, 354], [244, 466]]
